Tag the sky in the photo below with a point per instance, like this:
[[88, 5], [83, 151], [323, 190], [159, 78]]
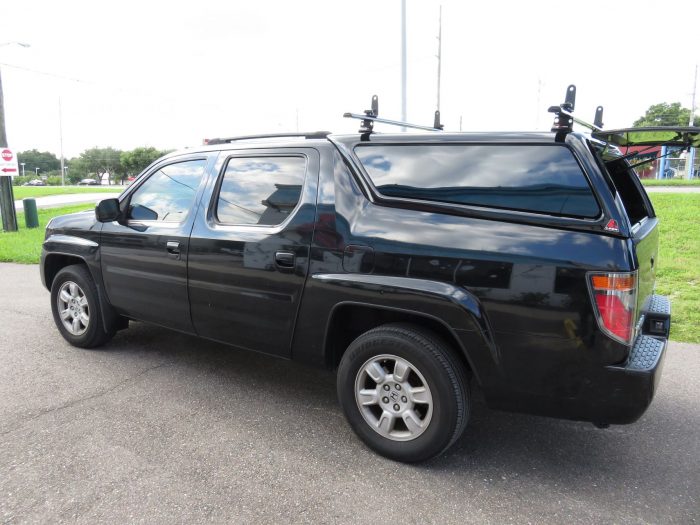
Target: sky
[[170, 74]]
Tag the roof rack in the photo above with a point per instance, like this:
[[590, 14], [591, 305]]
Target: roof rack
[[371, 116], [299, 134], [564, 114]]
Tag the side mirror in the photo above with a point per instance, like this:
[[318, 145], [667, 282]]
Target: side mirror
[[107, 210]]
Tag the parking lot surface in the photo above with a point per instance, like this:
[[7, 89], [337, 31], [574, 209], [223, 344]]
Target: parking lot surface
[[160, 427]]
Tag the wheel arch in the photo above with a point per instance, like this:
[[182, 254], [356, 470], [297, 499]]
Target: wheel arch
[[365, 316], [54, 262]]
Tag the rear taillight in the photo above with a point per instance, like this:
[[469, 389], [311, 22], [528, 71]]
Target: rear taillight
[[615, 303]]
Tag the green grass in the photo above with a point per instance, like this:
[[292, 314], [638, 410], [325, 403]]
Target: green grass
[[670, 182], [22, 192], [24, 246], [678, 275]]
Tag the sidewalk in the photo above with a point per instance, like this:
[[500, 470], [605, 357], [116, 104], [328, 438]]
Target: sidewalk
[[672, 189], [54, 201]]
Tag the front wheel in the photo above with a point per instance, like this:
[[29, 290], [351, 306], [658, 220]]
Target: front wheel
[[404, 392], [76, 309]]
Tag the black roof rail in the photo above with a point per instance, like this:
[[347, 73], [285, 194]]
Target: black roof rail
[[299, 134], [564, 114]]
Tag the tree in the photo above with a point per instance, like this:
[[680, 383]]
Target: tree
[[664, 114], [43, 160], [135, 161], [95, 162]]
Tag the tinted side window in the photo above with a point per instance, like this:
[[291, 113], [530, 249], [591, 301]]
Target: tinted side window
[[260, 190], [540, 179], [168, 194]]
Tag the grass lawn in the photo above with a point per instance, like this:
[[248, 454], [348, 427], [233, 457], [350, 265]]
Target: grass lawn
[[22, 192], [678, 275], [24, 246], [670, 182]]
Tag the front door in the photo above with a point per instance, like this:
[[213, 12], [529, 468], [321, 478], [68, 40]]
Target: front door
[[249, 250], [144, 256]]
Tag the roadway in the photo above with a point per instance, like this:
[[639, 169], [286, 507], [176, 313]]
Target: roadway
[[159, 427]]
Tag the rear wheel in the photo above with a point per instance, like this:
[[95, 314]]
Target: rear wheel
[[404, 392], [76, 309]]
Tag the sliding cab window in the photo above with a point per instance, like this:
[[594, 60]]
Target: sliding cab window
[[537, 178], [168, 194], [260, 190]]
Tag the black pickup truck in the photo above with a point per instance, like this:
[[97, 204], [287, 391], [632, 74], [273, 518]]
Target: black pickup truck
[[417, 265]]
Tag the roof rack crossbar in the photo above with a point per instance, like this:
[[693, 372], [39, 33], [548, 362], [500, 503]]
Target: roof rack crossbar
[[564, 114], [371, 116], [300, 134]]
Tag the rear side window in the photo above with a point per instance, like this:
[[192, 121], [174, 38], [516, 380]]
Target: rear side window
[[260, 190], [539, 179]]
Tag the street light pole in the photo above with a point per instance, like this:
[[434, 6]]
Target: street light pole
[[22, 163], [36, 172]]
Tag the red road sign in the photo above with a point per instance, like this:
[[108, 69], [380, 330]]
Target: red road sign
[[8, 163]]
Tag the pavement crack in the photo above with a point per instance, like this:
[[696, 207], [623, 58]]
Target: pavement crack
[[91, 397]]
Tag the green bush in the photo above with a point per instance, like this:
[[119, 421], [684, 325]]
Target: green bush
[[18, 181]]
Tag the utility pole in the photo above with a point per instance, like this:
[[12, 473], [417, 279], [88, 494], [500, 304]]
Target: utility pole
[[60, 134], [537, 108], [7, 198], [439, 57], [403, 62], [690, 160]]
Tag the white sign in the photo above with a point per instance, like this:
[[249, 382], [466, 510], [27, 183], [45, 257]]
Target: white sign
[[8, 163]]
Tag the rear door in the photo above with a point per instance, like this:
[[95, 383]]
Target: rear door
[[249, 250]]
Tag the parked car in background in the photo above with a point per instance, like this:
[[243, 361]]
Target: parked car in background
[[88, 182], [35, 182]]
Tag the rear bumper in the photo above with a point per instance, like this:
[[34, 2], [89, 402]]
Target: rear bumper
[[623, 392], [626, 391], [613, 394]]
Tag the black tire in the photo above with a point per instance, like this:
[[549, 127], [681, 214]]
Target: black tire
[[441, 369], [94, 333]]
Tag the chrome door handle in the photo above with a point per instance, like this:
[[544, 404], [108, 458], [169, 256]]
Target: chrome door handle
[[284, 259], [173, 248]]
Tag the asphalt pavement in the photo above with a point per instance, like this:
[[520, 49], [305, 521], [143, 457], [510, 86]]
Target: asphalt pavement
[[158, 427]]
